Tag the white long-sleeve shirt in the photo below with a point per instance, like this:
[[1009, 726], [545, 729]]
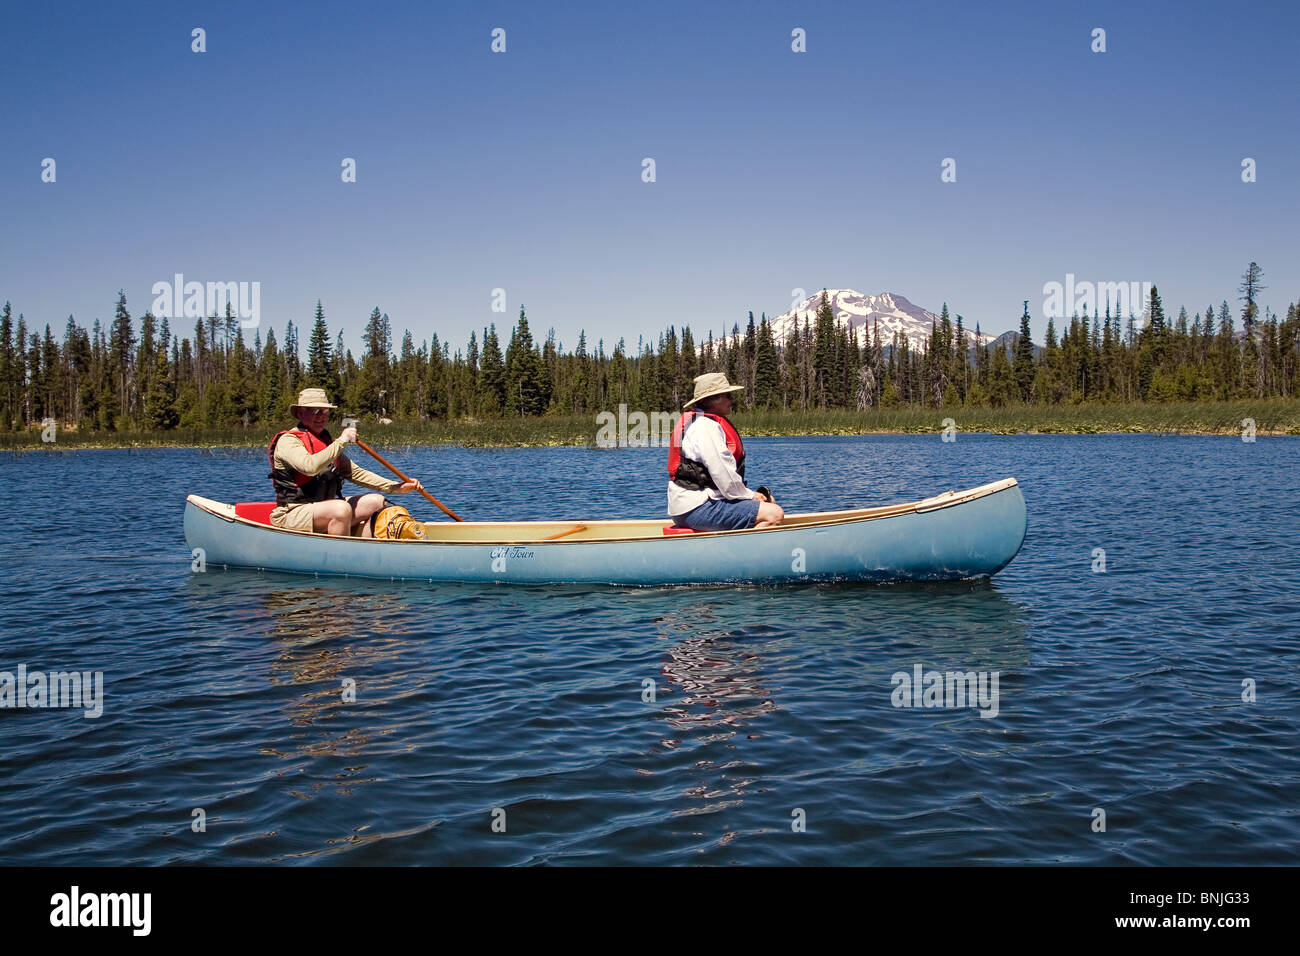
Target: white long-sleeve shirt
[[703, 440]]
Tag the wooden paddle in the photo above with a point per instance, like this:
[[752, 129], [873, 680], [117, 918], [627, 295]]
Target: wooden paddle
[[564, 534], [383, 461]]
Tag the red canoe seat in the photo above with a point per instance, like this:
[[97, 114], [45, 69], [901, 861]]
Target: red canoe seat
[[673, 529], [259, 511]]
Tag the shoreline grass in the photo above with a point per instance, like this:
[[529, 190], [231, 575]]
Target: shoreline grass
[[1271, 416]]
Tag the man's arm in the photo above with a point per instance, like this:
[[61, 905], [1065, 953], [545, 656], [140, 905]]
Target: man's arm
[[711, 444], [367, 479]]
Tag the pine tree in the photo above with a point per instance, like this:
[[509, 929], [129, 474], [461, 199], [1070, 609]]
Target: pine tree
[[408, 402], [346, 373], [767, 380], [320, 362], [491, 394], [438, 400], [240, 390], [145, 355], [1049, 381], [271, 392], [548, 368], [47, 378], [982, 359], [1023, 367], [1004, 388], [851, 385], [790, 365], [688, 361], [823, 357], [961, 361], [619, 374], [32, 361], [349, 375], [105, 404], [374, 391], [732, 345], [747, 362], [160, 400], [291, 361], [8, 388], [580, 387], [671, 387], [121, 349], [1250, 289], [523, 372], [1151, 346]]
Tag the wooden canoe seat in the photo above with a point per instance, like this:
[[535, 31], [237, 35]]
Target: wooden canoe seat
[[259, 511], [673, 529]]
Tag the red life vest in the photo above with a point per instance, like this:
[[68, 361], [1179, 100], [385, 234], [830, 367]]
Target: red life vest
[[293, 487], [692, 474]]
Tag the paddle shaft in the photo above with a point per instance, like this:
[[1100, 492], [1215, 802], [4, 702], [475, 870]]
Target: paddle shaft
[[387, 464]]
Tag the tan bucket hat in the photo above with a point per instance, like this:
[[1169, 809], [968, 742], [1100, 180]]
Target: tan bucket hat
[[311, 398], [709, 384]]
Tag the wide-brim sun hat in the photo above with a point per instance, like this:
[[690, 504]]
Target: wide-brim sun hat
[[311, 398], [710, 384]]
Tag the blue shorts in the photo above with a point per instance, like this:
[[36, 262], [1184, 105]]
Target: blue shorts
[[720, 515]]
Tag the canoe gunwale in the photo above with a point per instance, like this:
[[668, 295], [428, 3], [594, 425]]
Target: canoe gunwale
[[793, 523]]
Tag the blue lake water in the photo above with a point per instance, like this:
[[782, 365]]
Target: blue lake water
[[773, 736]]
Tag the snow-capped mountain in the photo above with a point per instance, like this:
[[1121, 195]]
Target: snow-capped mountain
[[893, 312]]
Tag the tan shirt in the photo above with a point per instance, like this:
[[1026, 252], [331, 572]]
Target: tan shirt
[[291, 452]]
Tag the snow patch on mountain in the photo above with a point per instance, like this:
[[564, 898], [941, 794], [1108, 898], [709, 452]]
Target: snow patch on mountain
[[891, 311]]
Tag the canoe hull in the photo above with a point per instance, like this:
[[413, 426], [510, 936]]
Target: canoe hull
[[972, 537]]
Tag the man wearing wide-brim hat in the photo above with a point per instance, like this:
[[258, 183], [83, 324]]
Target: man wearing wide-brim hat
[[308, 469], [706, 466]]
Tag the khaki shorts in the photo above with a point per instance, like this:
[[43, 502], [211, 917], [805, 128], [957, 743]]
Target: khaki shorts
[[295, 518], [299, 517]]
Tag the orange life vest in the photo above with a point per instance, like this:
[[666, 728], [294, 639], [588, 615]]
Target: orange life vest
[[293, 487], [691, 474]]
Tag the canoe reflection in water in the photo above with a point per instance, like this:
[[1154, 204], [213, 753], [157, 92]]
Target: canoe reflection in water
[[719, 680], [318, 652], [744, 681]]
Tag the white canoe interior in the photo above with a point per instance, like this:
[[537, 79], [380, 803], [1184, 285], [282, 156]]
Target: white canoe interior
[[562, 532]]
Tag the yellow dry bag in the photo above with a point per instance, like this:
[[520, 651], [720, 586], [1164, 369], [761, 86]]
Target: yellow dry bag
[[395, 521]]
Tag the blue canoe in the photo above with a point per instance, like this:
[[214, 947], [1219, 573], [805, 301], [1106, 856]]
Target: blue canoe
[[965, 534]]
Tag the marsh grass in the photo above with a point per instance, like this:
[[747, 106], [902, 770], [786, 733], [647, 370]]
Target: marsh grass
[[1271, 416]]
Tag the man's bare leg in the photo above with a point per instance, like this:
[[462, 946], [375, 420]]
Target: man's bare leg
[[769, 515], [363, 508], [331, 517]]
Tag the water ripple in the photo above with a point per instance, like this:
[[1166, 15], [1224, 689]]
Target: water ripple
[[318, 721]]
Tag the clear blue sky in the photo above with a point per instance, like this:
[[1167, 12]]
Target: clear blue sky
[[522, 170]]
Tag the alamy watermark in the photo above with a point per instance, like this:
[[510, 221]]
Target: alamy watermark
[[37, 689], [195, 300], [1061, 300], [635, 429], [951, 689], [77, 908]]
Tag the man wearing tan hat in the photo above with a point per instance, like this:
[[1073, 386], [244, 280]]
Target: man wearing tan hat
[[706, 466], [308, 469]]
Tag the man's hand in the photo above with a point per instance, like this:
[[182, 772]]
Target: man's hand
[[348, 435], [408, 486]]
